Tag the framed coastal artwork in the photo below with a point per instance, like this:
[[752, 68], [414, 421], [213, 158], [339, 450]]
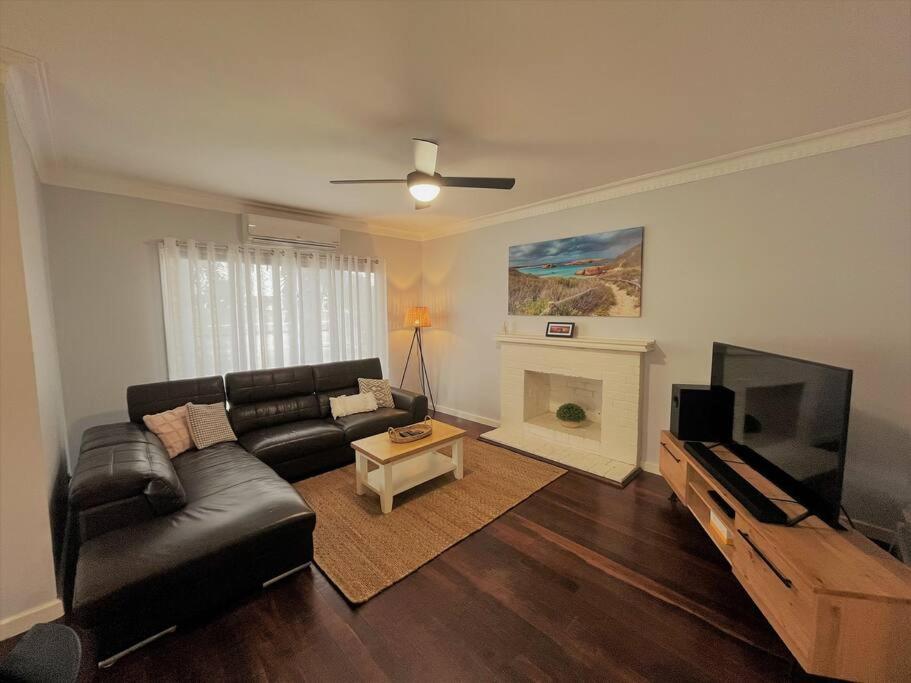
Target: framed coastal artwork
[[588, 275]]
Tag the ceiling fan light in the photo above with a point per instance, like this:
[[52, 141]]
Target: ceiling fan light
[[424, 192]]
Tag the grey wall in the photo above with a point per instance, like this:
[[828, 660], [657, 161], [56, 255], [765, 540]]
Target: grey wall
[[33, 232], [103, 253], [810, 258]]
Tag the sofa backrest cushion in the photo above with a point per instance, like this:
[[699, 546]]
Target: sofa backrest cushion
[[148, 399], [340, 378], [263, 398], [125, 463]]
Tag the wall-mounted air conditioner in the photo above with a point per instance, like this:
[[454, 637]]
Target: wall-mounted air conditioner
[[267, 229]]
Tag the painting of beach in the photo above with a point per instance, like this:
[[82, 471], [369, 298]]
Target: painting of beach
[[588, 275]]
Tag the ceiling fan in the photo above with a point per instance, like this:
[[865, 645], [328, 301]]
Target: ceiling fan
[[424, 182]]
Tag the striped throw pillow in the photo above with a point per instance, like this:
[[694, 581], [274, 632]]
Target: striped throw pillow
[[380, 389]]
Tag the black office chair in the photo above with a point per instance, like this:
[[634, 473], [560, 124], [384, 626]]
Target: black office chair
[[46, 653]]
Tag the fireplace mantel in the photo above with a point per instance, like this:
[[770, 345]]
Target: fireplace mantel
[[599, 343]]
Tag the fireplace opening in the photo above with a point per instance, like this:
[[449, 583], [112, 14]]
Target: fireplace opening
[[545, 392]]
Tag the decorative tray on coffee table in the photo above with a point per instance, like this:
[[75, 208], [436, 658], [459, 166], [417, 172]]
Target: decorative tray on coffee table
[[409, 433]]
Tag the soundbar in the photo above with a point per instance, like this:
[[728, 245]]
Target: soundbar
[[756, 504]]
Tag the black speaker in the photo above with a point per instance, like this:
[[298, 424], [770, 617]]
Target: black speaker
[[701, 413]]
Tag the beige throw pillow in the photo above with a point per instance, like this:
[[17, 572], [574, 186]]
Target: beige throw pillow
[[172, 428], [209, 424], [380, 389], [349, 405]]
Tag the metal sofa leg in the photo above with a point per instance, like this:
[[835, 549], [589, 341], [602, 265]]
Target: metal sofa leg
[[110, 661], [286, 574]]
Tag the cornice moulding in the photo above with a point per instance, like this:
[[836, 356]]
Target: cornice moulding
[[142, 189], [844, 137], [25, 80]]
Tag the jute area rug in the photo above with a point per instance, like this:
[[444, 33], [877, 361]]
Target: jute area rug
[[363, 551]]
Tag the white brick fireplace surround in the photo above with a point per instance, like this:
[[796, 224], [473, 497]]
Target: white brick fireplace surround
[[604, 376]]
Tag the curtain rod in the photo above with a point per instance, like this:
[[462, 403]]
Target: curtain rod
[[312, 252]]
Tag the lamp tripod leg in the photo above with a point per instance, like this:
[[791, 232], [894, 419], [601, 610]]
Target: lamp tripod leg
[[425, 376], [408, 357]]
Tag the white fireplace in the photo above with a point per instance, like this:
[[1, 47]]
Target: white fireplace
[[604, 376]]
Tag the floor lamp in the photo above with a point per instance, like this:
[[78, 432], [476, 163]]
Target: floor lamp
[[418, 317]]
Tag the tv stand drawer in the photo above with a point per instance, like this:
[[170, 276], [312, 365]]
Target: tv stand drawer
[[782, 595]]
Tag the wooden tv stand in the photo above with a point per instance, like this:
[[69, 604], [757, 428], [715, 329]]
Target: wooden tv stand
[[840, 603]]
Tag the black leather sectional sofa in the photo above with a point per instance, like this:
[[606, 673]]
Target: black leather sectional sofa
[[160, 540]]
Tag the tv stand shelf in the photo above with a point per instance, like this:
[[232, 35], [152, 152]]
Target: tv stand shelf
[[840, 603], [703, 507]]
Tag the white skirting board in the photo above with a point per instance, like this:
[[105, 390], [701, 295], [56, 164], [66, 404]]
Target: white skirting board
[[874, 531], [465, 415], [587, 461], [24, 620]]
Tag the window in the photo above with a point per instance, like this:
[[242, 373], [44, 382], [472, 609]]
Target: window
[[239, 307]]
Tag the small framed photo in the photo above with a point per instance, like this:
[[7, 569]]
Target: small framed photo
[[560, 329]]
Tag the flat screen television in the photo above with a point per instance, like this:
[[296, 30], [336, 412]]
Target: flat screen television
[[790, 422]]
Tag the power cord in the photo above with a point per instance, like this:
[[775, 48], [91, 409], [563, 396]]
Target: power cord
[[848, 517]]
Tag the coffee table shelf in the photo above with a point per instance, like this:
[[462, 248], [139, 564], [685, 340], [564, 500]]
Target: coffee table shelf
[[412, 473]]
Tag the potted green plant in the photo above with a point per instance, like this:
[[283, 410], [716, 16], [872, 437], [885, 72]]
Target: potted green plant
[[571, 415]]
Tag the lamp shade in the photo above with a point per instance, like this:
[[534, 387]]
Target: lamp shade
[[418, 316]]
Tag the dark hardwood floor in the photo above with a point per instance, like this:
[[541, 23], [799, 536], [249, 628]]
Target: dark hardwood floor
[[582, 581]]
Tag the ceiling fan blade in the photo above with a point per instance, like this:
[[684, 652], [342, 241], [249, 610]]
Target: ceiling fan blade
[[488, 183], [418, 205], [425, 156], [366, 182]]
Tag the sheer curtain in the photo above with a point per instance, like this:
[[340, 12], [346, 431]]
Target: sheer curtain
[[240, 307]]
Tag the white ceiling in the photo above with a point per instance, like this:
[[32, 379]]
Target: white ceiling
[[268, 101]]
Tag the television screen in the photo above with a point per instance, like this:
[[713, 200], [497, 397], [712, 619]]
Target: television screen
[[790, 422]]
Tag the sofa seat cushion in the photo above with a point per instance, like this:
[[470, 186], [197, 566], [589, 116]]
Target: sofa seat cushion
[[238, 513], [367, 424], [292, 440]]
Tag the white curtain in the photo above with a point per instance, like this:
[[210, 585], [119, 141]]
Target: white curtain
[[239, 307]]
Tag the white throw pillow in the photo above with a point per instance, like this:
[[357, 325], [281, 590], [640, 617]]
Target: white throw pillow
[[349, 405]]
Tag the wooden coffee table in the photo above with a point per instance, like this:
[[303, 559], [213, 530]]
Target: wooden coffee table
[[388, 468]]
